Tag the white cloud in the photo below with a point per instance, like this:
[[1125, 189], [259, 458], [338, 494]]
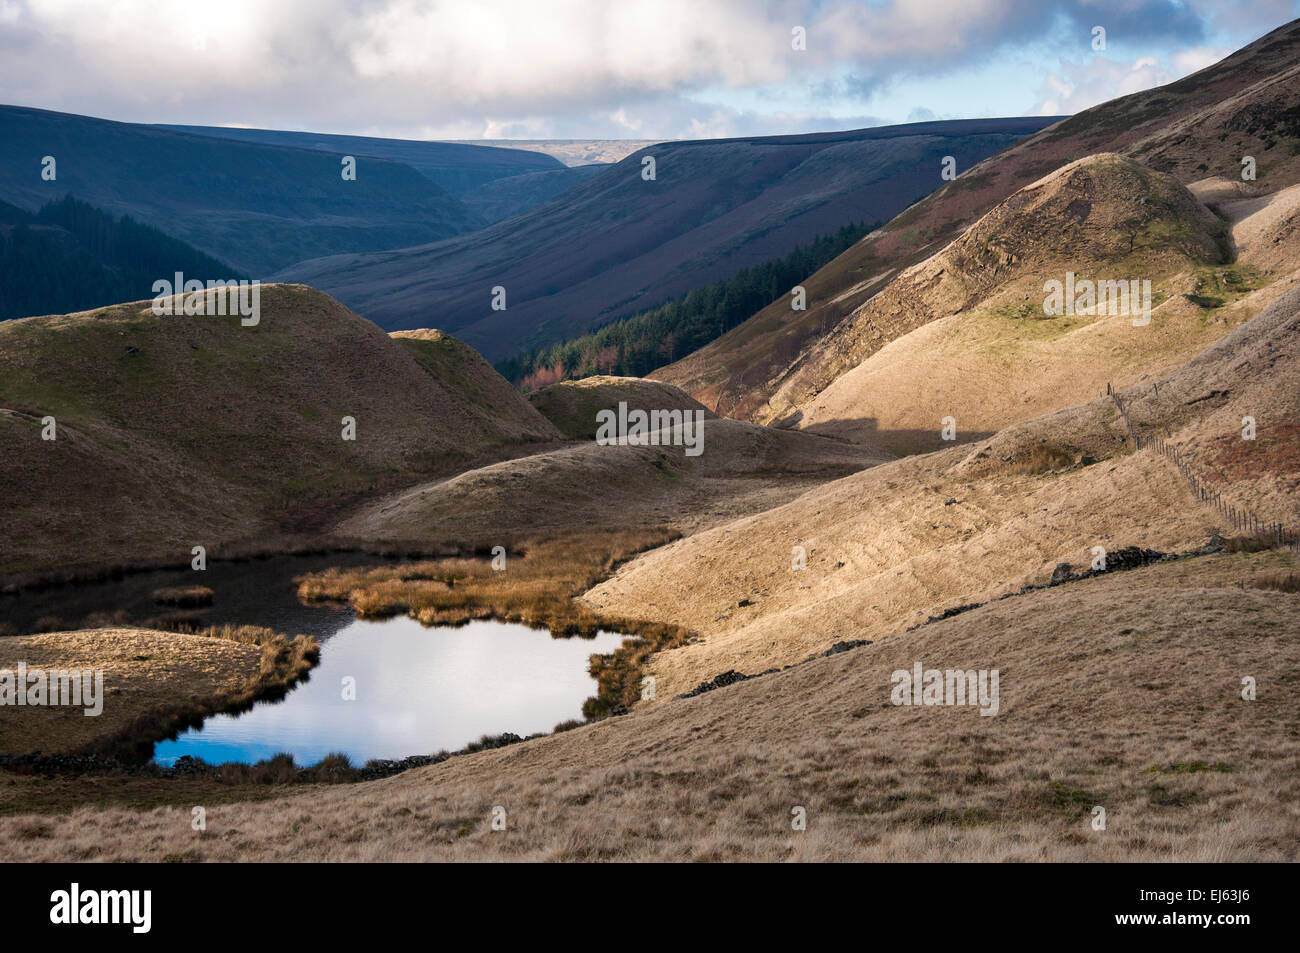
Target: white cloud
[[1197, 58], [1081, 84], [551, 67]]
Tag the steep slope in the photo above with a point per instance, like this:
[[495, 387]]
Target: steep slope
[[572, 405], [257, 207], [179, 431], [974, 315], [889, 546], [1197, 127], [1266, 229], [457, 168], [619, 243]]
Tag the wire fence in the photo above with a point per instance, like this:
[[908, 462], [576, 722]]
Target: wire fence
[[1242, 520]]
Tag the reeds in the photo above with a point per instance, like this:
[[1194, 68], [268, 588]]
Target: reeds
[[537, 587]]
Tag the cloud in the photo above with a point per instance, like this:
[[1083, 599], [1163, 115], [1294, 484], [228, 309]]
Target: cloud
[[563, 68], [1080, 84], [1197, 58]]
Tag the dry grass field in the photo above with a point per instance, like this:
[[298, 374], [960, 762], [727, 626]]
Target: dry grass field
[[1121, 691], [743, 469], [891, 545]]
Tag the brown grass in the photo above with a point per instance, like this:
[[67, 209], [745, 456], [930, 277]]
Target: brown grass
[[1119, 690], [536, 588], [1278, 582], [185, 596], [1043, 459], [1248, 544], [155, 684]]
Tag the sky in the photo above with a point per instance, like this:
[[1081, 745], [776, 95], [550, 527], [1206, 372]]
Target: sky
[[623, 69]]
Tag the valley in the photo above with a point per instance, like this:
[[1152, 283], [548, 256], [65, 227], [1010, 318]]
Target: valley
[[998, 536]]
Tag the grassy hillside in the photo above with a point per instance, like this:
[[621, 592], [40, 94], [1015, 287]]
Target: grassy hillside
[[177, 431], [572, 405], [973, 315], [1003, 360], [743, 469], [618, 243], [900, 542], [258, 207], [1195, 128]]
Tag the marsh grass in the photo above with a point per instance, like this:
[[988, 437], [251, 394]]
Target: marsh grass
[[184, 596], [537, 588], [1247, 544], [1042, 459]]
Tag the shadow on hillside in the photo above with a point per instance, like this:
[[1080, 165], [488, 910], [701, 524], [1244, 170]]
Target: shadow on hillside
[[866, 431]]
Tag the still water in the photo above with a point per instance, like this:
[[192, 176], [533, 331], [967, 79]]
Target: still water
[[417, 691]]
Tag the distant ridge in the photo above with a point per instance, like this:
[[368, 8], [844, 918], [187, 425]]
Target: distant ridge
[[456, 167], [259, 207], [620, 243]]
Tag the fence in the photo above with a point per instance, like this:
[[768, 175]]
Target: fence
[[1241, 519]]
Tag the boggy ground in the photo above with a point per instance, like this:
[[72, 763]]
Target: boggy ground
[[536, 586], [1120, 691]]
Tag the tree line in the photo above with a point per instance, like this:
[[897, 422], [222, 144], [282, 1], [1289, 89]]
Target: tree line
[[636, 345], [71, 256]]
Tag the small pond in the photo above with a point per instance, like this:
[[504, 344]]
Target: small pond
[[415, 690]]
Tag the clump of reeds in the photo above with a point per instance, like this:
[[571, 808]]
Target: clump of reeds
[[1280, 582], [1043, 459], [183, 596]]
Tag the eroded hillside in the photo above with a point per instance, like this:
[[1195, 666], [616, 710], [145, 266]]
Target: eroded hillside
[[890, 546], [968, 334], [1198, 127]]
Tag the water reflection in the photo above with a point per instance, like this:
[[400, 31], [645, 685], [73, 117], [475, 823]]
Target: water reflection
[[417, 691]]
